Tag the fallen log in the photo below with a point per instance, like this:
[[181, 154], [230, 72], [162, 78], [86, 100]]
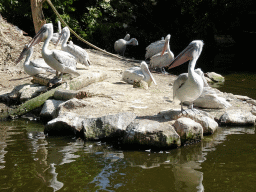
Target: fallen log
[[74, 84], [63, 94]]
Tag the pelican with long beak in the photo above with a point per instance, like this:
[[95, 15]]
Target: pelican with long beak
[[79, 53], [138, 73], [192, 88], [61, 61], [163, 58], [33, 67]]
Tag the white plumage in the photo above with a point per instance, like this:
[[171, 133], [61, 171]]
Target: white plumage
[[190, 88], [79, 53], [154, 48], [120, 45], [33, 67], [59, 60], [138, 73], [162, 59]]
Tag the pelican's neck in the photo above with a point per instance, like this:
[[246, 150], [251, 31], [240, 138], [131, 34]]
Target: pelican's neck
[[168, 48], [45, 49], [66, 37], [130, 41], [59, 27], [191, 67], [29, 54]]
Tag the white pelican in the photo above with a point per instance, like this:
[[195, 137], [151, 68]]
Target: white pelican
[[55, 36], [57, 59], [154, 48], [33, 67], [192, 88], [79, 53], [161, 60], [120, 45], [138, 73]]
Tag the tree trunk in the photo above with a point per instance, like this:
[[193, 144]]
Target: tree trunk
[[37, 14]]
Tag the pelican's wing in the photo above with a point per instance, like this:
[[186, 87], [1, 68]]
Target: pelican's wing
[[64, 59], [64, 53], [184, 56], [179, 82], [154, 48], [40, 63], [161, 61], [132, 74], [80, 54]]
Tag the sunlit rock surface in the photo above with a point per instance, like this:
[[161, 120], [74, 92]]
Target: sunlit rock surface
[[237, 117], [188, 129]]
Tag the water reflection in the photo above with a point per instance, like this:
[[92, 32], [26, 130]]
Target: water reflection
[[29, 160]]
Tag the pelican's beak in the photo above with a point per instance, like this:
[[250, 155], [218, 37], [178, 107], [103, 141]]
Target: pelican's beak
[[183, 57], [24, 52], [151, 76], [38, 37]]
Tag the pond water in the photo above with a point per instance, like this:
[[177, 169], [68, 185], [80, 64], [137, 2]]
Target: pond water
[[29, 161]]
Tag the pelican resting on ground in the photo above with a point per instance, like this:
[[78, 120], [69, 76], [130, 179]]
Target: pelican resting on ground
[[154, 48], [55, 36], [193, 86], [162, 59], [61, 61], [79, 53], [138, 73], [33, 67], [120, 45]]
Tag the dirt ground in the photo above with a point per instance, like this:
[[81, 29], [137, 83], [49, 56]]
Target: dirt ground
[[116, 95]]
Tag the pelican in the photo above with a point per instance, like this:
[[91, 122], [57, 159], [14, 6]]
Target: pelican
[[154, 48], [55, 36], [59, 60], [138, 73], [33, 67], [79, 53], [193, 86], [161, 60], [120, 45]]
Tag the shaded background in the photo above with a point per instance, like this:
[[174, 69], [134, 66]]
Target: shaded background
[[227, 27]]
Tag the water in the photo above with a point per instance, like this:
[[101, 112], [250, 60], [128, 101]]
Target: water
[[224, 161]]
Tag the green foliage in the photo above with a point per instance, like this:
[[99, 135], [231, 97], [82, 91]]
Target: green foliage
[[102, 22]]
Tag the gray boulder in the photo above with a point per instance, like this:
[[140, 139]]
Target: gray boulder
[[152, 134], [188, 129], [209, 99], [237, 117], [107, 126], [49, 110]]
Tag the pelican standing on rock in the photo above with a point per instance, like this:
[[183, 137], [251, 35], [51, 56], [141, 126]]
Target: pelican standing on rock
[[59, 60], [138, 73], [192, 88], [154, 48], [33, 67], [79, 53], [120, 45], [162, 59]]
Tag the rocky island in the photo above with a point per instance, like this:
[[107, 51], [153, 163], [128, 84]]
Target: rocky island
[[98, 105]]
